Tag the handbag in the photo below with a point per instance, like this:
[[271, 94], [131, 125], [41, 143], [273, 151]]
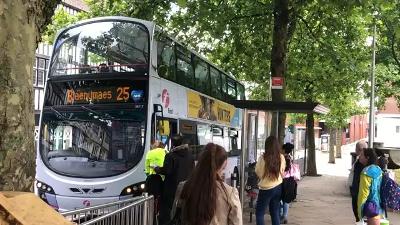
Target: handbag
[[295, 171]]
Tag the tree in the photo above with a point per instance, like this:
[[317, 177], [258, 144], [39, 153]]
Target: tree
[[315, 47], [388, 51], [21, 23]]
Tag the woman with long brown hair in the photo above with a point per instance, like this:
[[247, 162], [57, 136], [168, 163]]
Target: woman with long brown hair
[[270, 168], [204, 199]]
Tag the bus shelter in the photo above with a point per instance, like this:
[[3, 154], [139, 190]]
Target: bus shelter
[[252, 111]]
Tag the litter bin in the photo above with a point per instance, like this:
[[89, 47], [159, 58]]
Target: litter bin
[[325, 142]]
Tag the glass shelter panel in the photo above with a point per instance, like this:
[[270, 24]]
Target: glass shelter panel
[[261, 133]]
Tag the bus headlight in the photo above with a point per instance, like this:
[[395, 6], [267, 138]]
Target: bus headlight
[[43, 188], [134, 189]]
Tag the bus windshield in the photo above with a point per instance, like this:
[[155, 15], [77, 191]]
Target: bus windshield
[[82, 142], [102, 47]]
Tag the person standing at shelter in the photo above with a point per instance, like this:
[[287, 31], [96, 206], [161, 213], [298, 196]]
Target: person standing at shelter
[[355, 174], [289, 172], [177, 167], [369, 200], [270, 168], [205, 199]]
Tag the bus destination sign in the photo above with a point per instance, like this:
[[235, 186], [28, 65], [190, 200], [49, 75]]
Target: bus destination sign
[[103, 95]]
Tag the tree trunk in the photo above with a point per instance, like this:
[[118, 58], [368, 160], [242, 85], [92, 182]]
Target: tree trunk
[[281, 124], [21, 23], [278, 58], [311, 163], [332, 140], [339, 143]]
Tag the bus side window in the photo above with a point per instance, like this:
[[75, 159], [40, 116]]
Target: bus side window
[[188, 131], [240, 92], [223, 86], [184, 67], [231, 85], [216, 89], [166, 58], [202, 83]]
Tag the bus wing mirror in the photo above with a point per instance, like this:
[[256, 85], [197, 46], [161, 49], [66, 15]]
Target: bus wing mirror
[[158, 108]]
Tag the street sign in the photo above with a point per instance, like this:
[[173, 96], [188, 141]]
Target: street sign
[[276, 82]]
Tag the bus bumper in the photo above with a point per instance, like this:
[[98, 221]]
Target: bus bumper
[[67, 203]]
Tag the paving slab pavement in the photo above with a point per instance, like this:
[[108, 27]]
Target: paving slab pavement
[[324, 200]]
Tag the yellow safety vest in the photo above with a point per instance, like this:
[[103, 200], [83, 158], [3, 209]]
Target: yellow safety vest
[[154, 158]]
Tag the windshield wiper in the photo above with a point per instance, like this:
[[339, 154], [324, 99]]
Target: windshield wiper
[[101, 115], [58, 113]]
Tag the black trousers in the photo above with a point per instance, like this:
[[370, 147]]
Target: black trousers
[[354, 198], [165, 209]]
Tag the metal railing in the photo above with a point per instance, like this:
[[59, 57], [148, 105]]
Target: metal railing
[[134, 211]]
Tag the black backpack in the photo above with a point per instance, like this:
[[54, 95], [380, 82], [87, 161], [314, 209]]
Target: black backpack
[[289, 189]]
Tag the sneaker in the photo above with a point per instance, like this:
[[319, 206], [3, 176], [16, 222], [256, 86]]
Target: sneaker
[[284, 221]]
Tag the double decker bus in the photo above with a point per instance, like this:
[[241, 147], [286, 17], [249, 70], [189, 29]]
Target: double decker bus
[[114, 85]]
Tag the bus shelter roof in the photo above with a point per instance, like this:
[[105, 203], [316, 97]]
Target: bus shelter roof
[[286, 107]]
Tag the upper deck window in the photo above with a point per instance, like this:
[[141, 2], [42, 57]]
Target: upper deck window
[[185, 71], [231, 85], [102, 47], [166, 58], [240, 92], [216, 87], [201, 73]]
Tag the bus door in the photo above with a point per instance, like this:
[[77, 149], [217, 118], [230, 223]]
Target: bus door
[[166, 127]]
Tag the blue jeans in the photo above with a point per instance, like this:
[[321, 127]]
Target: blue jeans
[[284, 209], [271, 198]]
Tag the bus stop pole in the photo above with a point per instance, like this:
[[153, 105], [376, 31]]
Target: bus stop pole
[[277, 124], [256, 137], [243, 155]]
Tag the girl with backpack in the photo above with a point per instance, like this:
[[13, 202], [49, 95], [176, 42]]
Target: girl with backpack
[[369, 199], [205, 199], [289, 172], [270, 168]]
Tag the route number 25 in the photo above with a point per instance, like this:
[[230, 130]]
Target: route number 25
[[122, 93]]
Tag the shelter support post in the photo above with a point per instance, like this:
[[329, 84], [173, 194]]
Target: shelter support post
[[243, 155]]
